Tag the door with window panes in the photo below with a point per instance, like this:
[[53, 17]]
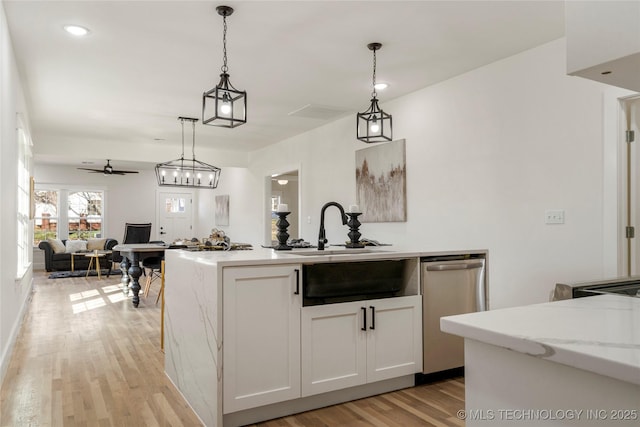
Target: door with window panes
[[174, 216]]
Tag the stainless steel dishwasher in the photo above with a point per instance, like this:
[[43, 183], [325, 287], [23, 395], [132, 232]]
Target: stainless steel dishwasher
[[451, 285]]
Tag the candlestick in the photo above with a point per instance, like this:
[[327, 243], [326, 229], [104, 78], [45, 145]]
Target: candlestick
[[354, 234], [282, 234]]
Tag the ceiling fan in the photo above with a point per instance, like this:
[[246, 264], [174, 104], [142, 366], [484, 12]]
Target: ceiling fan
[[108, 170]]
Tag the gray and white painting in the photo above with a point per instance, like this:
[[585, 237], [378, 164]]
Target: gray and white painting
[[222, 210], [381, 182]]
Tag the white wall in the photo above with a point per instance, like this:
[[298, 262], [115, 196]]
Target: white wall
[[128, 198], [487, 153], [245, 195], [14, 293]]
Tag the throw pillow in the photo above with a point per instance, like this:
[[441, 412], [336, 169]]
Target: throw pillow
[[96, 244], [56, 245], [76, 246]]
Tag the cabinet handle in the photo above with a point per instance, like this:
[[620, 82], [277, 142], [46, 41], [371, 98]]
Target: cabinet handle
[[297, 292], [373, 317], [364, 318]]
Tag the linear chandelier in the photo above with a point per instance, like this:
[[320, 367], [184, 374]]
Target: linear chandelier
[[224, 105], [190, 173], [374, 125]]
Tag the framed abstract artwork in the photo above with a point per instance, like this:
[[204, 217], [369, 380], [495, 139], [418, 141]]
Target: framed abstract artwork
[[381, 182], [222, 210]]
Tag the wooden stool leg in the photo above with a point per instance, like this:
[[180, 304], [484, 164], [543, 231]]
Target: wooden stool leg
[[147, 285]]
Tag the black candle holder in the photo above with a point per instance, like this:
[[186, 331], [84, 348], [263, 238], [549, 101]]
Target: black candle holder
[[282, 234], [354, 234]]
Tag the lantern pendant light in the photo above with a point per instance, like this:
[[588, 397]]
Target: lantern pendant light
[[374, 125], [190, 173], [224, 105]]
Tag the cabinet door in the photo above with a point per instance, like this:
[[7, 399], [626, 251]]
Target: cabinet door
[[261, 330], [333, 347], [394, 339]]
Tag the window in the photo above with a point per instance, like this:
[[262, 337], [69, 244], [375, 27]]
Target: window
[[85, 214], [46, 215], [173, 205], [68, 214], [23, 199]]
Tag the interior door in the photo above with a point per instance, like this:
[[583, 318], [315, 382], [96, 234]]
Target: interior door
[[630, 197], [175, 216]]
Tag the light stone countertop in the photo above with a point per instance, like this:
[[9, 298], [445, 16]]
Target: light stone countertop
[[600, 334], [259, 255]]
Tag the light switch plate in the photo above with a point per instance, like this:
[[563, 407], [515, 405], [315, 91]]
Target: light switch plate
[[554, 217]]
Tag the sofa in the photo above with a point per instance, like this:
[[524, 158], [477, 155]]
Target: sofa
[[57, 258]]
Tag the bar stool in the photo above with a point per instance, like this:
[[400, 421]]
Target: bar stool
[[153, 265]]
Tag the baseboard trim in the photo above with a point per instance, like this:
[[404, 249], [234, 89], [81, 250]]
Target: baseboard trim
[[15, 330], [277, 410]]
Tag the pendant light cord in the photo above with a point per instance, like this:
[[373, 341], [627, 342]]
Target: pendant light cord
[[374, 94], [193, 143], [224, 44], [182, 124]]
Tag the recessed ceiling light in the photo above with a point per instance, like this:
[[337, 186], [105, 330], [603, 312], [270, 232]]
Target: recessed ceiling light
[[76, 30], [381, 86]]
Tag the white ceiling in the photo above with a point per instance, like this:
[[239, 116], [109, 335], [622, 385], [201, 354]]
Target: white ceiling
[[147, 62]]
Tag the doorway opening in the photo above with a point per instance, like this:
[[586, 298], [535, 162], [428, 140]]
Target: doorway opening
[[629, 209], [284, 189]]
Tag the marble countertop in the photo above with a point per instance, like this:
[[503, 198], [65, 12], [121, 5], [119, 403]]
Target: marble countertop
[[331, 254], [599, 334]]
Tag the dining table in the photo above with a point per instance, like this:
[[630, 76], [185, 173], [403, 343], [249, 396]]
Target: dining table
[[132, 254]]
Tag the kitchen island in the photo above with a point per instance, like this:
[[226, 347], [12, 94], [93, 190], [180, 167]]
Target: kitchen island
[[571, 362], [248, 339]]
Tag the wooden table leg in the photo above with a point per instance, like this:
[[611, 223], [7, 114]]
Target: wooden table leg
[[124, 267], [134, 273], [89, 268]]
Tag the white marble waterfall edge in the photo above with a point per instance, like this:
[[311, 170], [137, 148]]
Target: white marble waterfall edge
[[191, 362]]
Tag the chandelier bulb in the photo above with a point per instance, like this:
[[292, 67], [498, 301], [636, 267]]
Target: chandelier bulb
[[375, 126], [225, 107]]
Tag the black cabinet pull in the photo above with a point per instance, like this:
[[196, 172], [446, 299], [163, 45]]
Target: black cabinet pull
[[373, 317], [297, 292], [364, 318]]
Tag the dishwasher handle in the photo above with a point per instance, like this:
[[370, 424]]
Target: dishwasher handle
[[461, 266]]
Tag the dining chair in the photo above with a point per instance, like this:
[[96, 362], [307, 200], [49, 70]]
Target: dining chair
[[133, 233]]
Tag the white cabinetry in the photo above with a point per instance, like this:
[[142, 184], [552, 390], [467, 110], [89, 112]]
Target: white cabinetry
[[349, 344], [261, 329]]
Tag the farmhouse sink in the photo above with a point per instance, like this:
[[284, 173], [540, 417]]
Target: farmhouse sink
[[359, 280]]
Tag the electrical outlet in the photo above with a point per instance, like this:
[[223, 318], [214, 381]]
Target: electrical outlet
[[309, 219], [554, 217]]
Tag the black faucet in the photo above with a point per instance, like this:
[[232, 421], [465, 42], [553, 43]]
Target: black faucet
[[322, 238]]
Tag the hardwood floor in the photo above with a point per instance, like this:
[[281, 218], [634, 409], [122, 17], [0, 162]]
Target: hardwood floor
[[86, 357]]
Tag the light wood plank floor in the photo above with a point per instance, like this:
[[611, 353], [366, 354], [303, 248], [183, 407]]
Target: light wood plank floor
[[86, 357]]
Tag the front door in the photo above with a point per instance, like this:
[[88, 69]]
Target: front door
[[174, 213]]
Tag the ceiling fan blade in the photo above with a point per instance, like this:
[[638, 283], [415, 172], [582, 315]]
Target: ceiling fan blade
[[119, 172], [92, 170]]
